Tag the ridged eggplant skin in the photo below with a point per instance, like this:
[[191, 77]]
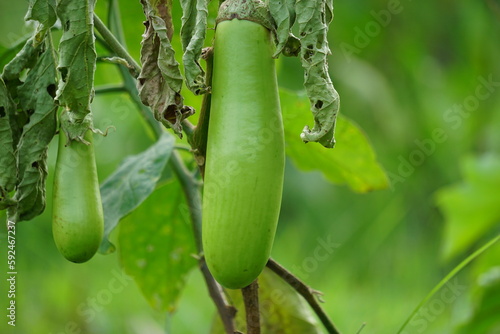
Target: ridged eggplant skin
[[77, 215], [245, 158]]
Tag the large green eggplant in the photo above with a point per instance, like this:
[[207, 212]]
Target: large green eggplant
[[245, 155]]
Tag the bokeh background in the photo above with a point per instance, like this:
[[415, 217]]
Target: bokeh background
[[403, 69]]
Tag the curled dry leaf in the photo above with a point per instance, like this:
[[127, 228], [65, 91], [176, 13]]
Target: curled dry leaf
[[160, 80]]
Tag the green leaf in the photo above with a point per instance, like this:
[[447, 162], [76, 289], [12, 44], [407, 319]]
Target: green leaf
[[25, 58], [283, 13], [43, 11], [282, 310], [352, 161], [193, 30], [313, 18], [156, 246], [36, 99], [8, 172], [131, 184], [472, 207], [7, 54], [76, 66], [160, 80]]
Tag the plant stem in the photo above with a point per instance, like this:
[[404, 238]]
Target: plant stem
[[188, 128], [227, 312], [115, 45], [114, 21], [110, 89], [192, 192], [361, 328], [199, 136], [251, 300], [305, 291]]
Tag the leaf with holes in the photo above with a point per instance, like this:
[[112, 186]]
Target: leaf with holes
[[31, 112], [313, 18], [76, 66], [36, 99], [8, 173], [160, 80], [193, 30]]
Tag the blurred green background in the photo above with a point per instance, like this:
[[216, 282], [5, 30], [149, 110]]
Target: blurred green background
[[403, 69]]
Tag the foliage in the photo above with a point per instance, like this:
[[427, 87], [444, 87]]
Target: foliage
[[133, 181], [29, 109], [159, 255]]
